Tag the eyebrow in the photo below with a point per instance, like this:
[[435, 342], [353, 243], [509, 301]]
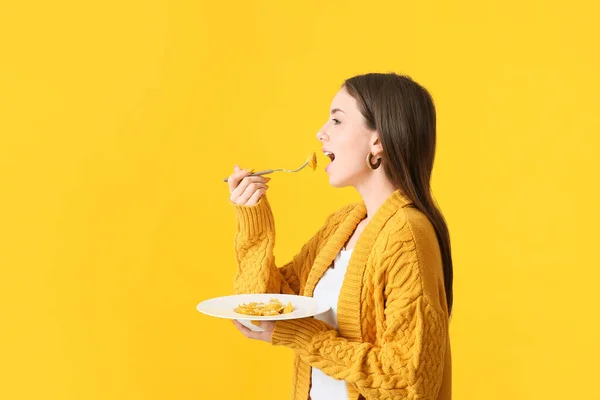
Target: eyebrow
[[334, 110]]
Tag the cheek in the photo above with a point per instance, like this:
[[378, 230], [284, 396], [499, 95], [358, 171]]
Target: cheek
[[354, 148]]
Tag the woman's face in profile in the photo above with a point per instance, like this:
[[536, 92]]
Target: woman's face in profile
[[346, 140]]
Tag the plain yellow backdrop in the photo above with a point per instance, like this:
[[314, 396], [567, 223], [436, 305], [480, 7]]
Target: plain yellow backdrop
[[118, 120]]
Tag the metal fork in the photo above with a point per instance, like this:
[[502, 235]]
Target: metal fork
[[270, 171]]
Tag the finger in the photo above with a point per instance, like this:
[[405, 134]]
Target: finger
[[253, 189], [268, 325], [243, 187], [247, 181], [236, 168], [240, 327], [256, 196], [250, 191], [234, 180], [250, 334]]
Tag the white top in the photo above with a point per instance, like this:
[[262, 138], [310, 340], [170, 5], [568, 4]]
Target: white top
[[327, 290]]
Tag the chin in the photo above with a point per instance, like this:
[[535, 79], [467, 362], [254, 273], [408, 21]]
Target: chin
[[339, 183]]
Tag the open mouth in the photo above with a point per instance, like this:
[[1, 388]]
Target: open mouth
[[330, 155]]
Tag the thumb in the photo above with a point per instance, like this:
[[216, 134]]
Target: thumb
[[236, 168]]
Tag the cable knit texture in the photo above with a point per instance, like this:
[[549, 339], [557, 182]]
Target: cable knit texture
[[392, 340]]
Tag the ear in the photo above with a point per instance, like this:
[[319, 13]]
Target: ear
[[376, 147]]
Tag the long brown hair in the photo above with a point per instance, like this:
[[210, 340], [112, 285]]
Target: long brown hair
[[403, 113]]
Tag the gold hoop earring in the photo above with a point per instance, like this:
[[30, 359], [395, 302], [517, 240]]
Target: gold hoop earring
[[372, 166]]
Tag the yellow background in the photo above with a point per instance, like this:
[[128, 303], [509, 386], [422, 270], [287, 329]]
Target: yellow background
[[118, 120]]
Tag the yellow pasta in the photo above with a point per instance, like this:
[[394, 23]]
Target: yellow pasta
[[273, 307], [312, 160]]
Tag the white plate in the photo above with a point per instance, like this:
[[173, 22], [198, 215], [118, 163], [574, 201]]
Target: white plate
[[222, 307]]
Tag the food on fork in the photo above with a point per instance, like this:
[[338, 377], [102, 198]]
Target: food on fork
[[312, 160]]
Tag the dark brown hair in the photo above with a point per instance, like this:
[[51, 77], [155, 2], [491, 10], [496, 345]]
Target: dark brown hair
[[403, 114]]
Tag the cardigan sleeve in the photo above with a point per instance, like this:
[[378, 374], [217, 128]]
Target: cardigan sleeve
[[254, 244]]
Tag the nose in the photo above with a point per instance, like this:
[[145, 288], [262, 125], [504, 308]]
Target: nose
[[322, 136]]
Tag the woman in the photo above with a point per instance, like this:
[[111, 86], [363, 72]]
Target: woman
[[383, 264]]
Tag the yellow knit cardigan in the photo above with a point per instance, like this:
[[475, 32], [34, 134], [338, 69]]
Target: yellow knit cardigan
[[392, 340]]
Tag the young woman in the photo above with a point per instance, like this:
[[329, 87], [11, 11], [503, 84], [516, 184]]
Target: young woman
[[384, 264]]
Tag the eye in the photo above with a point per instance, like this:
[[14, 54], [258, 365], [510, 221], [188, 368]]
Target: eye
[[336, 121]]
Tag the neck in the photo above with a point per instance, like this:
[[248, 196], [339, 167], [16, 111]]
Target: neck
[[375, 191]]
